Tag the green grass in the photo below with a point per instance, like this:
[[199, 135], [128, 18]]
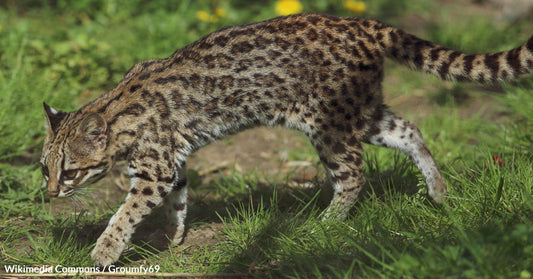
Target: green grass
[[68, 52]]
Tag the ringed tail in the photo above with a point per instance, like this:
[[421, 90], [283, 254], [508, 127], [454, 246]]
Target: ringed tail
[[450, 64]]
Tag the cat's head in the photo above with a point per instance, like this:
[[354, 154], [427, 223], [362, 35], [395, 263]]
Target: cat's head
[[74, 151]]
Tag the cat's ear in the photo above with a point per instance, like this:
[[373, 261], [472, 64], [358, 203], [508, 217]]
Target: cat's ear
[[53, 117], [94, 130]]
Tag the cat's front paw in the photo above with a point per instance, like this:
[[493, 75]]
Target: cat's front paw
[[106, 251]]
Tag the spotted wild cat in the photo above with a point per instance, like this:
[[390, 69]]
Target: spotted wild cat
[[318, 74]]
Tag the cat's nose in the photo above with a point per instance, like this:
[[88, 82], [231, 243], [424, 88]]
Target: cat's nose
[[53, 193]]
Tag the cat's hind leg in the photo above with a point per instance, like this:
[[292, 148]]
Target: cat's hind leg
[[394, 132], [175, 207]]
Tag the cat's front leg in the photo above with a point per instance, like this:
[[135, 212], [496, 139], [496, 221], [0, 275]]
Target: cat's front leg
[[146, 192]]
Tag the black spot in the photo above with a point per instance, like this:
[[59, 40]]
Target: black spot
[[392, 125], [314, 19], [350, 189], [242, 32], [179, 206], [204, 45], [180, 184], [274, 54], [312, 35], [147, 191], [144, 176], [147, 64], [162, 103], [221, 40], [338, 148], [195, 80], [332, 165], [151, 153], [161, 191], [134, 88], [359, 124], [150, 204], [166, 80], [242, 47], [144, 76], [344, 175], [352, 141], [166, 179]]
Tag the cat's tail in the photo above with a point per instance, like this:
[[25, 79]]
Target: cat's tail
[[455, 65]]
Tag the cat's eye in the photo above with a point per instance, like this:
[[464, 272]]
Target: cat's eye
[[69, 174], [44, 170]]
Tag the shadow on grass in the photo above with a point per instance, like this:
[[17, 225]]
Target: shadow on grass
[[290, 207], [256, 258]]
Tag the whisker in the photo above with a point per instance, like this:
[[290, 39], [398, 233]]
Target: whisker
[[84, 192], [84, 195], [80, 202], [75, 202]]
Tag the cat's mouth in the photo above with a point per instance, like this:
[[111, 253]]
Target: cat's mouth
[[69, 191], [65, 193]]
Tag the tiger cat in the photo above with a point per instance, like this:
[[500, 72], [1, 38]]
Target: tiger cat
[[318, 74]]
